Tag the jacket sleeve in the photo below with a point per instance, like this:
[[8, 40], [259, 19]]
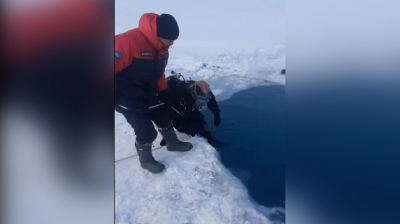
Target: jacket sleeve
[[162, 83], [213, 105], [123, 53]]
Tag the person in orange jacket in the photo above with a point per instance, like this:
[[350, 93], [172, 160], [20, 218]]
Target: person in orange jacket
[[141, 56]]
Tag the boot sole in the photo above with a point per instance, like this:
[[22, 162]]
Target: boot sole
[[153, 171], [178, 150]]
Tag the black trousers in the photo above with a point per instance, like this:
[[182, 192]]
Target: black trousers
[[142, 123]]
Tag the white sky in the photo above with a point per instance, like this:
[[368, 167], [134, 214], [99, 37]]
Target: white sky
[[206, 26]]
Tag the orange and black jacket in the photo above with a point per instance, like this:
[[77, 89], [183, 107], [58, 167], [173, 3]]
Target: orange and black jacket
[[140, 61]]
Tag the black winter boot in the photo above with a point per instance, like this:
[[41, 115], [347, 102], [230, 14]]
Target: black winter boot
[[146, 158], [173, 144]]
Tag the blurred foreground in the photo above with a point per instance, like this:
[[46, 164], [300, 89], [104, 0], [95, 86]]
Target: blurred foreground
[[57, 120]]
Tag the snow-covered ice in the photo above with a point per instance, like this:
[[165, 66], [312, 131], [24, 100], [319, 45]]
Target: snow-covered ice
[[196, 187], [233, 70]]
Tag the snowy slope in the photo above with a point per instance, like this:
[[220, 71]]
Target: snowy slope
[[196, 187], [233, 70]]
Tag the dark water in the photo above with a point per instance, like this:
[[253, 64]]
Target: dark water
[[253, 141]]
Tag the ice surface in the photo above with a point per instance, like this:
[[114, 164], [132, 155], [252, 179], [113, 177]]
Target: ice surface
[[194, 188]]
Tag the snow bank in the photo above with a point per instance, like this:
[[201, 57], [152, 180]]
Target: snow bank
[[194, 188], [232, 71]]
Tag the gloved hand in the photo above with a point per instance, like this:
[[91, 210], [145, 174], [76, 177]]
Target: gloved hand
[[163, 142], [217, 119]]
